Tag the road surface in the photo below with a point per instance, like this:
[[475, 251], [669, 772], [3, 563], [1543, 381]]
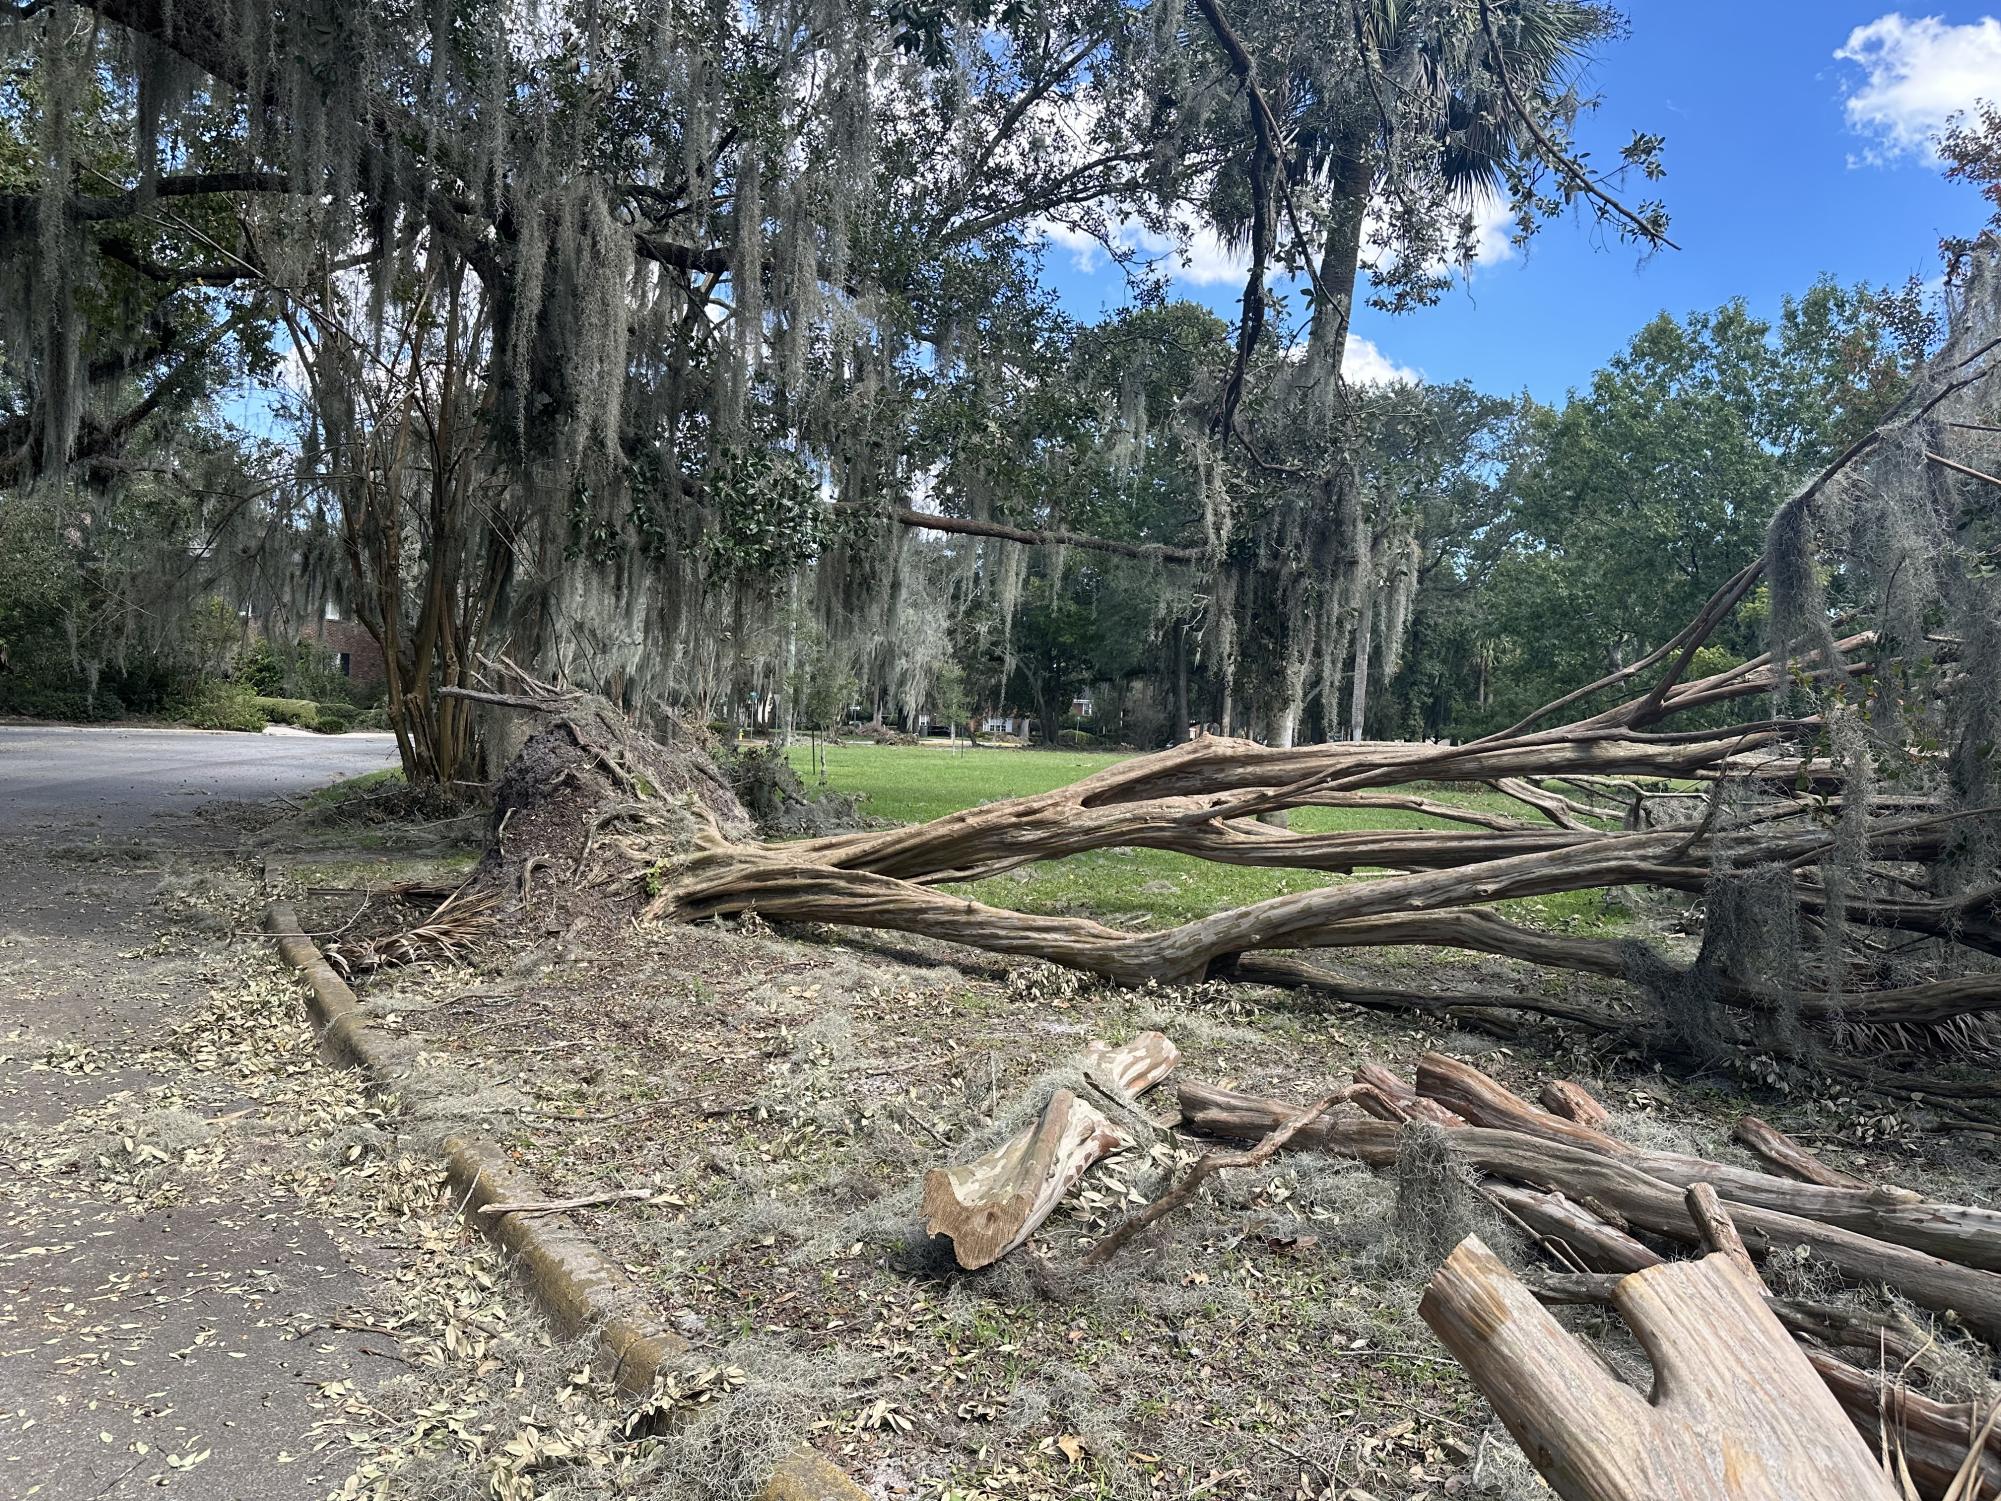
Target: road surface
[[117, 781], [172, 1303]]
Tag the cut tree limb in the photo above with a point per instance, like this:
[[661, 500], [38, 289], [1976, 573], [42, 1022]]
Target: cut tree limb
[[1779, 1151], [1965, 1234], [1935, 1438], [1572, 1101], [1591, 1178], [1745, 1418], [1583, 1237], [1717, 1229], [991, 1205]]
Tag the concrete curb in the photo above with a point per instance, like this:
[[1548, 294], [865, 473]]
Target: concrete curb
[[576, 1285]]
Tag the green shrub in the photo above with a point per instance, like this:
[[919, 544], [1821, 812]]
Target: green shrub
[[335, 719], [259, 669], [371, 719], [302, 712], [221, 706]]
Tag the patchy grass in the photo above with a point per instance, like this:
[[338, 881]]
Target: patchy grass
[[349, 789], [782, 1099], [1130, 887]]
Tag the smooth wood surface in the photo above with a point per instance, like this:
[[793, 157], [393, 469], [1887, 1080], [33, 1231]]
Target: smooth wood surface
[[991, 1205], [1737, 1411]]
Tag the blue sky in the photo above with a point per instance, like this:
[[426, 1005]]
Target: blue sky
[[1784, 161]]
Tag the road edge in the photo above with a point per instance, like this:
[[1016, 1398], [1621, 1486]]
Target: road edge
[[574, 1284]]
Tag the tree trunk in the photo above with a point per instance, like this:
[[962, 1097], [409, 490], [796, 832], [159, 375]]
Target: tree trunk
[[1571, 1231], [1742, 1417], [1181, 721], [1358, 693]]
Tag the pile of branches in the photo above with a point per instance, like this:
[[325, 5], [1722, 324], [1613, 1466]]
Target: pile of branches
[[1612, 1218], [1843, 832], [1739, 1369]]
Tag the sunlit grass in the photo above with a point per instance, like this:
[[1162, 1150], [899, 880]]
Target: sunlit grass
[[1132, 888]]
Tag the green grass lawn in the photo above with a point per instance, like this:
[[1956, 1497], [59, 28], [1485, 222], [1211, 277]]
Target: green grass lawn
[[1132, 888]]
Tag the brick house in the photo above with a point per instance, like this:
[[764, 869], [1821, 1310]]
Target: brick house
[[355, 651]]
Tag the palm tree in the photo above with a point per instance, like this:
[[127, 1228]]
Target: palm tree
[[1414, 105]]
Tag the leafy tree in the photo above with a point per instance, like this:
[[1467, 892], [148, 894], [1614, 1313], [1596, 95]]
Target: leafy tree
[[1633, 502]]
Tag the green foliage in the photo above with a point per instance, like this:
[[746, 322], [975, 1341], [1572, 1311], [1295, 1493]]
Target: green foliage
[[949, 705], [769, 516], [221, 706], [822, 690], [1628, 506], [301, 712], [258, 668]]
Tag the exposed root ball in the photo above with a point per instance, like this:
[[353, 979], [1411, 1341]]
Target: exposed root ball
[[586, 778]]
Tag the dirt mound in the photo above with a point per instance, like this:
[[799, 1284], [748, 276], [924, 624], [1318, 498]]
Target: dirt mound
[[585, 780]]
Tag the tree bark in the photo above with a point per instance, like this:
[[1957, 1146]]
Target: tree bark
[[1574, 1102], [1934, 1438], [1961, 1233], [1742, 1418], [991, 1205], [1589, 1177], [1779, 1151]]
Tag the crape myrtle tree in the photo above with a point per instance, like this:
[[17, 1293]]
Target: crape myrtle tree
[[569, 291]]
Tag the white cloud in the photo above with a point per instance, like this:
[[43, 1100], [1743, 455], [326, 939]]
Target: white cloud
[[1915, 74], [1366, 365], [1201, 259]]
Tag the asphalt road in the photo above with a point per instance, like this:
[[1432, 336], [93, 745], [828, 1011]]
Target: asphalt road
[[167, 1320], [57, 778]]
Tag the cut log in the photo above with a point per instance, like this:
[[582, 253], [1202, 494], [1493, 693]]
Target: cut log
[[1133, 1068], [1781, 1153], [1399, 1093], [1934, 1437], [1573, 1233], [993, 1204], [1879, 1338], [1572, 1101], [1957, 1232], [1743, 1418], [1620, 1189], [1717, 1229], [1940, 1442]]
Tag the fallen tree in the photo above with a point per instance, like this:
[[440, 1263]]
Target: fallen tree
[[1848, 867]]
